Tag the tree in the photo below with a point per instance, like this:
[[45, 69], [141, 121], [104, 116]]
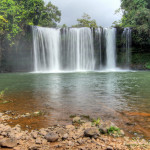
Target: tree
[[19, 13], [3, 23], [136, 14], [86, 21], [50, 15]]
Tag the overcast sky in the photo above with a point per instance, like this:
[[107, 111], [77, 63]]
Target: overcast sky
[[103, 11]]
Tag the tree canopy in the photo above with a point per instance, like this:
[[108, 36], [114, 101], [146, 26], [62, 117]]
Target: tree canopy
[[136, 14], [86, 21], [16, 14]]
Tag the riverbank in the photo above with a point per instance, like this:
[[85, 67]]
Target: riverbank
[[82, 134]]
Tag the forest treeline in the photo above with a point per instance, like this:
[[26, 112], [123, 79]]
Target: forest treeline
[[136, 14], [16, 14]]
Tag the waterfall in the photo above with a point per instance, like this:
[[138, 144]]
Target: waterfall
[[77, 54], [110, 37], [46, 49], [77, 49], [127, 44], [98, 35], [80, 49]]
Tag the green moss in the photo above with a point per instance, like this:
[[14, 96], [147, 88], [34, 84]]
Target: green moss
[[113, 129]]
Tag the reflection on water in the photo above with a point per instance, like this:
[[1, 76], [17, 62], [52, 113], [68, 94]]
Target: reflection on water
[[110, 95]]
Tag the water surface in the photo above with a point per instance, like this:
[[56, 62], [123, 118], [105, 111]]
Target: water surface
[[123, 97]]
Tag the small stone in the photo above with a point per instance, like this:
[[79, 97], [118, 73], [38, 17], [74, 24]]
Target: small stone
[[27, 114], [51, 137], [87, 125], [19, 136], [70, 143], [65, 136], [80, 141], [17, 148], [61, 131], [104, 126], [10, 142], [122, 133], [91, 132], [70, 127], [76, 120], [38, 141], [34, 134], [109, 148], [34, 147], [37, 113], [42, 132]]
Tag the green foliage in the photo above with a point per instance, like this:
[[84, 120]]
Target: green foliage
[[141, 58], [2, 93], [86, 21], [50, 15], [64, 26], [96, 122], [3, 23], [113, 129], [136, 14], [16, 14], [147, 65]]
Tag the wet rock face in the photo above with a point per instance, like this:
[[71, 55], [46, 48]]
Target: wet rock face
[[9, 143], [92, 132], [51, 137]]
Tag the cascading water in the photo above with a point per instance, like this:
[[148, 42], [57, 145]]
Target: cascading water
[[76, 49], [46, 49], [127, 44], [110, 36], [79, 50], [98, 34]]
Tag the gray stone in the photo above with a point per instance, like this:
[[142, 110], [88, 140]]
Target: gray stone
[[65, 136], [34, 147], [76, 120], [51, 137], [122, 133], [109, 148], [104, 126], [70, 143], [42, 132], [91, 132], [61, 131], [70, 127], [10, 142], [38, 141], [34, 134]]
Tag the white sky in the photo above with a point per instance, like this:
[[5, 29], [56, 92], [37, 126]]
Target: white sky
[[103, 11]]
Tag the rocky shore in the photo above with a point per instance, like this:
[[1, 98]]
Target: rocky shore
[[82, 134]]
